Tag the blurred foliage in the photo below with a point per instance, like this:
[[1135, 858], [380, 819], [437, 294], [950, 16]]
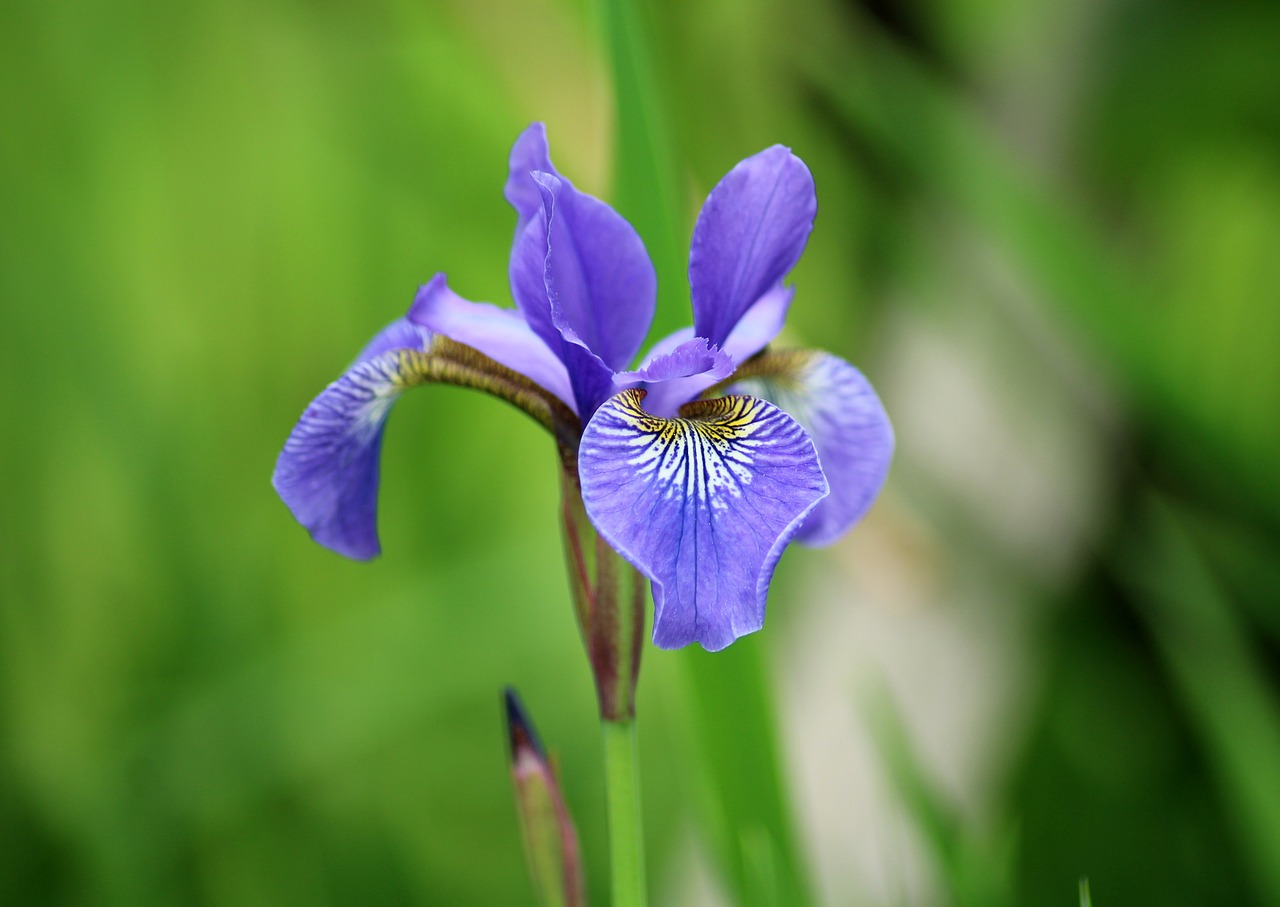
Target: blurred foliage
[[205, 210]]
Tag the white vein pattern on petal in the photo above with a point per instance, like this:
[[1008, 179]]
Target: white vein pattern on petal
[[826, 402], [840, 410], [826, 395], [702, 505], [705, 462], [701, 460], [352, 408]]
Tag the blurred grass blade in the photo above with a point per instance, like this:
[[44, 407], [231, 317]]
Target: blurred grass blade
[[1086, 900], [917, 122], [645, 182], [1223, 685], [760, 860], [747, 813], [550, 840], [976, 872], [934, 817]]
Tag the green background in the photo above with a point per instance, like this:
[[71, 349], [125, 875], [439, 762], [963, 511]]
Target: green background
[[1048, 233]]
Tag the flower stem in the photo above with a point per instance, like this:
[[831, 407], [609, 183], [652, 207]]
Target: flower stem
[[626, 842], [608, 596]]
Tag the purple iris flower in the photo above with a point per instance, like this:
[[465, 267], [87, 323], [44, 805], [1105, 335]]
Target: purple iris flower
[[699, 466]]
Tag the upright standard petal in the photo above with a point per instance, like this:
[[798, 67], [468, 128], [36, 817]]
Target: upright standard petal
[[703, 505], [749, 234], [501, 334], [584, 283], [599, 279], [842, 414], [327, 473], [760, 324], [529, 153]]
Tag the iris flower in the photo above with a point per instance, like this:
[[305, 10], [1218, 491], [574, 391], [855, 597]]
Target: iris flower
[[698, 467]]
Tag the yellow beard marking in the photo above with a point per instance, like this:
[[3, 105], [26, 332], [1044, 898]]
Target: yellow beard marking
[[705, 454]]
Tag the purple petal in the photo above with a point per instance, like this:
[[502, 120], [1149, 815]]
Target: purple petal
[[584, 283], [327, 473], [501, 334], [675, 377], [692, 357], [749, 234], [842, 414], [401, 334], [761, 323], [668, 343], [592, 380], [528, 273], [703, 506], [589, 378], [529, 153], [599, 278], [527, 269]]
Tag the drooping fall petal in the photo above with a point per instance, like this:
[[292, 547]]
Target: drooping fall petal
[[842, 414], [702, 504], [328, 471]]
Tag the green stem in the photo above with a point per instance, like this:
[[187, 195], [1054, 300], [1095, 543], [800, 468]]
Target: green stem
[[626, 842]]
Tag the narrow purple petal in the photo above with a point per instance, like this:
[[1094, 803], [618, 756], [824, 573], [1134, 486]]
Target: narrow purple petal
[[842, 414], [590, 379], [327, 473], [599, 278], [528, 274], [527, 269], [401, 334], [584, 283], [529, 153], [675, 377], [760, 324], [501, 334], [749, 234], [702, 505]]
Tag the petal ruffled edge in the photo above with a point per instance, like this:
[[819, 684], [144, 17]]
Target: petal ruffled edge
[[840, 410], [703, 505], [674, 375], [327, 473], [692, 357], [751, 231]]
